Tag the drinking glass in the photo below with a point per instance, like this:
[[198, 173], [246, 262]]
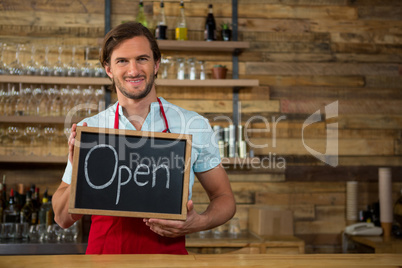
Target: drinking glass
[[16, 67], [91, 105], [100, 98], [86, 68], [32, 133], [3, 65], [39, 101], [54, 101], [49, 134], [34, 233], [202, 74], [32, 66], [59, 68], [73, 68], [45, 69], [191, 69], [66, 101], [181, 69], [98, 69], [14, 133], [29, 101], [234, 227]]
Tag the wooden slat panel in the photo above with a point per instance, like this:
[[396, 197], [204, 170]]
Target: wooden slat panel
[[206, 106], [307, 80], [40, 18], [321, 69], [345, 106], [55, 6], [345, 146], [366, 38], [380, 12], [355, 26], [334, 198]]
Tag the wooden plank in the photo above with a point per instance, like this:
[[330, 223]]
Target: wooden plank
[[392, 161], [41, 18], [393, 107], [340, 173], [207, 106], [352, 57], [360, 48], [334, 198], [355, 26], [295, 57], [365, 38], [362, 147], [378, 81], [371, 122], [274, 68], [336, 93], [283, 37], [275, 25], [55, 6], [307, 80], [380, 12], [319, 227], [296, 47]]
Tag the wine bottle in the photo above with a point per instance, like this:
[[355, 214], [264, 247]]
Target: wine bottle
[[11, 213], [210, 26], [28, 213], [46, 211], [161, 27], [181, 25], [141, 15]]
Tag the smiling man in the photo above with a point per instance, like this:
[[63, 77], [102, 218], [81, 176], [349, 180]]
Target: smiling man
[[131, 58]]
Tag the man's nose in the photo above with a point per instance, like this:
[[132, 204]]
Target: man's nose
[[133, 68]]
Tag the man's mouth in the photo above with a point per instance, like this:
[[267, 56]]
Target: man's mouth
[[135, 80]]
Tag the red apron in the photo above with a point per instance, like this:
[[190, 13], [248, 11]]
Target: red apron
[[125, 235]]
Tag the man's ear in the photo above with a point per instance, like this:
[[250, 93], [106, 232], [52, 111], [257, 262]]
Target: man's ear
[[157, 64], [108, 71]]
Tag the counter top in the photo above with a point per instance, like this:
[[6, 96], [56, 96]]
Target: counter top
[[215, 260]]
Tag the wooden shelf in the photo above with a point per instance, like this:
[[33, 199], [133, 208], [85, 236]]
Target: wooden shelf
[[106, 81], [26, 79], [38, 119], [33, 159], [220, 46]]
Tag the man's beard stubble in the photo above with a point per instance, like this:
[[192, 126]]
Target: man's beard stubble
[[138, 96]]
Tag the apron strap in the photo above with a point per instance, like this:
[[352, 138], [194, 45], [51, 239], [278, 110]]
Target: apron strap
[[116, 117]]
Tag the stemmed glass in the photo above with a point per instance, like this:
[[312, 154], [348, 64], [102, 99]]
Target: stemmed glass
[[66, 101], [45, 69], [54, 101], [73, 68], [49, 133], [16, 67], [14, 133], [32, 67], [86, 68], [59, 68], [3, 65], [32, 133], [99, 71], [37, 96]]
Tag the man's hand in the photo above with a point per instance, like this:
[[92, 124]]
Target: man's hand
[[71, 141], [176, 228]]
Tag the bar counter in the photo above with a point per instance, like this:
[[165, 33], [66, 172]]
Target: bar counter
[[208, 260]]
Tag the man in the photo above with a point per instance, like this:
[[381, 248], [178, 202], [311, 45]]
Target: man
[[131, 58]]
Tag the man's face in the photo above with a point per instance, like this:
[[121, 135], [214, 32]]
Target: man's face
[[132, 67]]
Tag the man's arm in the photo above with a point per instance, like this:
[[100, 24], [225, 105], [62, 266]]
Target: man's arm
[[61, 198], [221, 208], [60, 202]]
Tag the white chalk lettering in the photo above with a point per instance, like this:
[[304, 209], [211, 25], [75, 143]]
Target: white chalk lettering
[[140, 170], [154, 175], [137, 172], [97, 187], [120, 183]]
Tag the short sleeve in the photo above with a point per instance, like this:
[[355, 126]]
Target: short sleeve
[[205, 148], [68, 173]]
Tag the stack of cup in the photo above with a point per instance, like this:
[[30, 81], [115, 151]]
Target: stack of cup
[[351, 202]]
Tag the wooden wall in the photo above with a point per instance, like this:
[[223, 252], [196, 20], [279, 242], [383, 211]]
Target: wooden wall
[[306, 54]]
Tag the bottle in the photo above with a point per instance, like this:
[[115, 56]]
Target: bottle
[[141, 15], [161, 27], [181, 25], [27, 213], [2, 203], [46, 211], [210, 26], [11, 213]]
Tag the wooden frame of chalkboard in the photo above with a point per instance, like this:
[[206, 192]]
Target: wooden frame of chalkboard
[[130, 173]]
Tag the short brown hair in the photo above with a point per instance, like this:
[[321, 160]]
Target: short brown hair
[[123, 32]]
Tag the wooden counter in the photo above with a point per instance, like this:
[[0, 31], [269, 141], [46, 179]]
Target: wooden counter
[[215, 260]]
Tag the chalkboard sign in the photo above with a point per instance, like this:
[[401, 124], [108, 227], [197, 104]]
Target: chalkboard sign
[[130, 173]]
